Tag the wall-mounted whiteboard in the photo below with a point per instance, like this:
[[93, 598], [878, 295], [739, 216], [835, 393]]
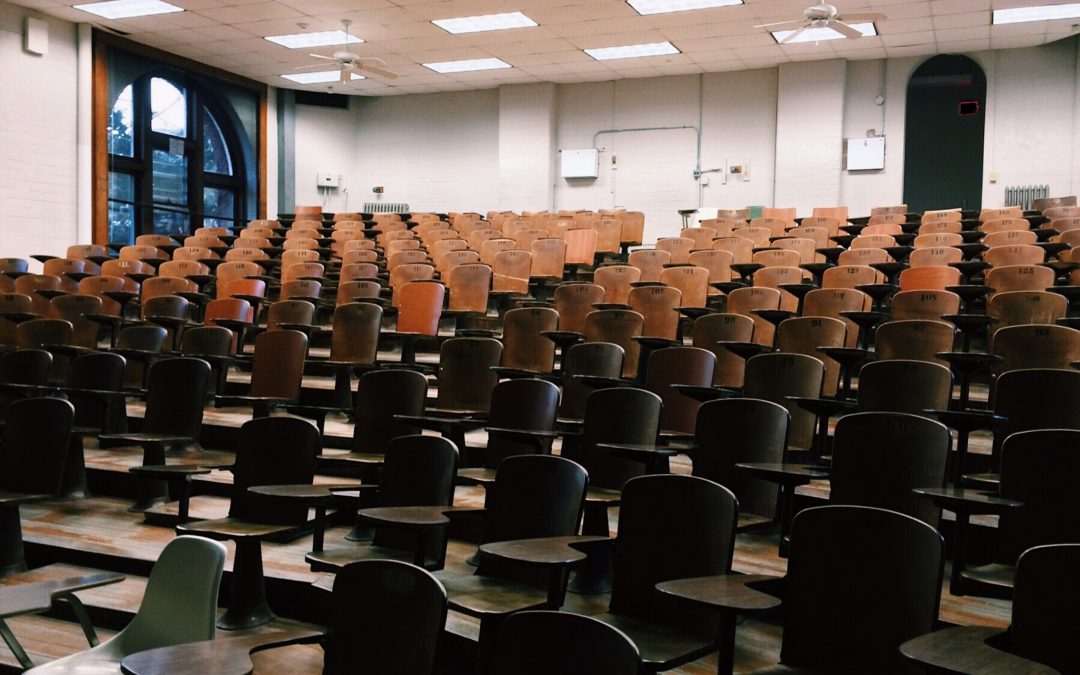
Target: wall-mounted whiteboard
[[865, 154]]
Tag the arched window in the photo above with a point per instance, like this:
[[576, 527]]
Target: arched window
[[175, 162]]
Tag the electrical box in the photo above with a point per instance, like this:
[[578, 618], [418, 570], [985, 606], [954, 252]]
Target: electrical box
[[864, 154], [36, 37], [328, 180], [580, 163]]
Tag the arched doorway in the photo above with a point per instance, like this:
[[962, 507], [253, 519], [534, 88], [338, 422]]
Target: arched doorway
[[943, 141]]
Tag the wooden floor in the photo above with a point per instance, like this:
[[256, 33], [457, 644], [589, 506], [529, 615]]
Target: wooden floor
[[101, 531]]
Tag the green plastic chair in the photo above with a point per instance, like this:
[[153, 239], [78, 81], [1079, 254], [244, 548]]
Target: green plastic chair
[[180, 605]]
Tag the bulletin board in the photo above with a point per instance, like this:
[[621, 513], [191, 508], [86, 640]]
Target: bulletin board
[[864, 154]]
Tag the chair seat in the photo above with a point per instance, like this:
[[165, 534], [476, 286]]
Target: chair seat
[[603, 496], [486, 596], [233, 528], [662, 647], [337, 558]]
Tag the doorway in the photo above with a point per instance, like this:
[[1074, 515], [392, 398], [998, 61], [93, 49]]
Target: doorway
[[943, 141]]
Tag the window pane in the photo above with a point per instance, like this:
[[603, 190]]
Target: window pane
[[121, 121], [168, 108], [170, 178], [218, 222], [171, 223], [215, 152], [121, 207], [218, 202]]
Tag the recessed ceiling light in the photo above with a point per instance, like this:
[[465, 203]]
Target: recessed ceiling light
[[1038, 13], [127, 9], [308, 40], [467, 65], [823, 34], [319, 77], [476, 24], [664, 6], [629, 51]]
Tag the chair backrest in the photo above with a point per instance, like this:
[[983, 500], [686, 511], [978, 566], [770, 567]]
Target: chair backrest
[[1035, 466], [466, 378], [573, 302], [420, 306], [1019, 278], [616, 281], [1036, 346], [712, 329], [923, 305], [278, 366], [276, 450], [35, 445], [520, 404], [180, 602], [523, 345], [678, 365], [735, 430], [386, 614], [42, 333], [355, 335], [617, 415], [879, 458], [75, 308], [917, 340], [907, 386], [805, 335], [532, 496], [175, 390], [1057, 393], [380, 395], [101, 371], [852, 617], [469, 286], [671, 527], [604, 359], [1013, 308], [541, 642], [745, 300], [932, 278], [831, 302], [774, 377], [209, 340], [617, 326], [1044, 599], [650, 261], [692, 282], [657, 305]]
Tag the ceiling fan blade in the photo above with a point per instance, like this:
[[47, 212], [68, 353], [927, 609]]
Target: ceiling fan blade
[[372, 59], [380, 72], [845, 30], [324, 58], [780, 23], [311, 67], [794, 34], [864, 17]]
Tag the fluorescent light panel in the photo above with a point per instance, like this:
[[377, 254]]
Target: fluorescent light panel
[[1037, 13], [308, 40], [128, 9], [485, 22], [467, 65], [665, 6], [630, 51], [319, 77], [823, 34]]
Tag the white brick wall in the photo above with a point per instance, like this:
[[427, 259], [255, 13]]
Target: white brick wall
[[809, 125], [327, 140], [37, 138], [526, 146]]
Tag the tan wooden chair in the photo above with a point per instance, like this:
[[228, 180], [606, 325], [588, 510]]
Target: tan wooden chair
[[617, 326], [616, 281], [711, 330], [651, 263], [677, 247], [929, 278]]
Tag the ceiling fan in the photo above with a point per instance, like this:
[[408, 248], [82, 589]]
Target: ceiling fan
[[824, 15], [351, 62]]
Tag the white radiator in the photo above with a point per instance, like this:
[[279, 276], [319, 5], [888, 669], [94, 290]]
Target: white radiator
[[385, 207], [1023, 195]]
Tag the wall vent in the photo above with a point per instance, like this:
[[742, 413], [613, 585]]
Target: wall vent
[[385, 207]]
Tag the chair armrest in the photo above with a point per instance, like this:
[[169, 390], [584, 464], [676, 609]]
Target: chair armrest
[[705, 394], [525, 434], [822, 406], [966, 500], [785, 473], [982, 481], [306, 493], [543, 551], [963, 649], [641, 453], [724, 591]]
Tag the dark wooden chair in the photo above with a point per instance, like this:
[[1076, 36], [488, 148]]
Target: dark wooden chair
[[880, 457], [520, 423], [842, 618], [77, 308], [775, 377], [711, 331], [648, 551], [1058, 396], [276, 372], [736, 430], [524, 346], [36, 437], [26, 370], [141, 346], [599, 359], [533, 496], [387, 615], [1043, 623], [914, 340], [417, 471], [618, 326], [271, 451], [213, 344], [539, 642], [1035, 470], [678, 365], [354, 342], [43, 334], [806, 335]]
